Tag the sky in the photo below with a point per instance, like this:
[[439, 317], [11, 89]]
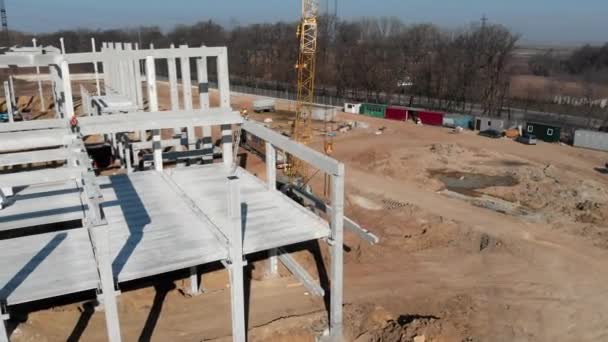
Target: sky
[[538, 21]]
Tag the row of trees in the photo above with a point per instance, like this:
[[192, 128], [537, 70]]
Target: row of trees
[[581, 62], [373, 58]]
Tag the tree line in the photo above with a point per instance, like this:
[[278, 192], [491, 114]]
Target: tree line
[[368, 59]]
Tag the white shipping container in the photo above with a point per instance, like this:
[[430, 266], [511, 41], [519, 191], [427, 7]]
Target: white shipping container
[[324, 113], [485, 123], [264, 105], [352, 108], [591, 139]]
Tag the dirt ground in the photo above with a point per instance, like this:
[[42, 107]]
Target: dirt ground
[[481, 240]]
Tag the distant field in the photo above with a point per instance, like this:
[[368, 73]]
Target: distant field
[[528, 86]]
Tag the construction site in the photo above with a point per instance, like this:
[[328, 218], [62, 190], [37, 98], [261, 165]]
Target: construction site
[[138, 207]]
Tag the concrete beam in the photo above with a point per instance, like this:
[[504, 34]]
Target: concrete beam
[[107, 124], [39, 176], [88, 57], [302, 152], [299, 272]]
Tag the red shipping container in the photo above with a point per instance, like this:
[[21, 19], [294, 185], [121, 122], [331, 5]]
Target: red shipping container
[[396, 113], [431, 118]]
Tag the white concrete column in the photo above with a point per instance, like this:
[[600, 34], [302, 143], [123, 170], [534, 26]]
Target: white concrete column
[[61, 43], [153, 103], [106, 65], [95, 67], [67, 88], [173, 87], [138, 81], [187, 91], [101, 240], [237, 293], [194, 284], [203, 91], [3, 332], [337, 257], [130, 75], [271, 180], [224, 89], [9, 102], [42, 104]]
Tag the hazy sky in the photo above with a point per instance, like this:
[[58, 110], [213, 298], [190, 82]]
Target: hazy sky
[[543, 21]]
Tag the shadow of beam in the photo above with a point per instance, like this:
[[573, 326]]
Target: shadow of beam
[[31, 266], [83, 322], [162, 290], [135, 215]]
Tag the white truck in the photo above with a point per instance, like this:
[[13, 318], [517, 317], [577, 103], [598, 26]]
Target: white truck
[[265, 105]]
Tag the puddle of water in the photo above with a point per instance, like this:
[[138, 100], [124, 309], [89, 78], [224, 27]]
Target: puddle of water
[[467, 183]]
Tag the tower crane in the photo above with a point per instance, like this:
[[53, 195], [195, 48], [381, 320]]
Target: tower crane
[[305, 67]]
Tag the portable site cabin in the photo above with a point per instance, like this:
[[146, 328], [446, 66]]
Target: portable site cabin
[[373, 109], [543, 132], [353, 108], [396, 113], [458, 120], [430, 118], [591, 139], [486, 123]]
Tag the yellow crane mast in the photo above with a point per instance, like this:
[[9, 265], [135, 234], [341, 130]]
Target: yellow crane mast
[[306, 67]]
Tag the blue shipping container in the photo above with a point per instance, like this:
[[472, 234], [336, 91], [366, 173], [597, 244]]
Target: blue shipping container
[[458, 120]]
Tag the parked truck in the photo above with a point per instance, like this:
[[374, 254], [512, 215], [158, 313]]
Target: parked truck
[[265, 105]]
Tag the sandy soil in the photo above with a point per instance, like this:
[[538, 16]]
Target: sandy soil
[[522, 262]]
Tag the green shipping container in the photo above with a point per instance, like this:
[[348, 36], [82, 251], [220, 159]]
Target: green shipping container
[[372, 109], [543, 132]]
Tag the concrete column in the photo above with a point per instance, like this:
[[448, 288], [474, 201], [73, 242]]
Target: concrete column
[[67, 88], [9, 102], [3, 332], [224, 89], [271, 180], [203, 82], [101, 240], [105, 64], [194, 284], [187, 91], [203, 91], [62, 46], [42, 104], [138, 80], [173, 91], [95, 69], [223, 79], [237, 293], [153, 103], [227, 144], [337, 257], [131, 77]]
